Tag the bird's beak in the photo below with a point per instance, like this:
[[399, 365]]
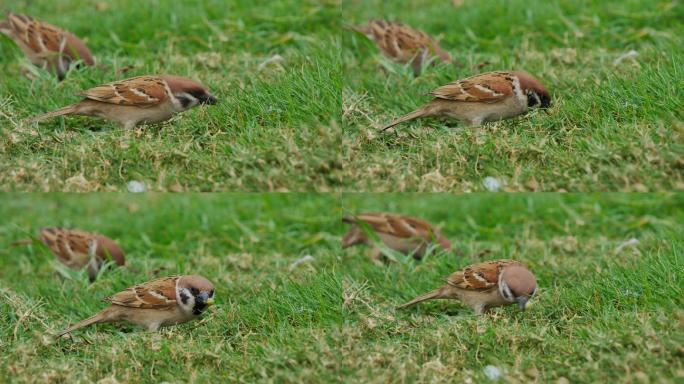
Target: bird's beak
[[522, 302], [210, 301], [209, 99]]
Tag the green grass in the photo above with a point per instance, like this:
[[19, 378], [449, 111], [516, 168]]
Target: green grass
[[276, 127], [599, 316], [611, 127]]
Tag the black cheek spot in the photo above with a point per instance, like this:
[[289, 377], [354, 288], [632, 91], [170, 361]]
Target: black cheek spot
[[531, 100], [185, 101], [184, 298]]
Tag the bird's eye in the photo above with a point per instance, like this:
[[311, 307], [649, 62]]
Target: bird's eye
[[194, 291]]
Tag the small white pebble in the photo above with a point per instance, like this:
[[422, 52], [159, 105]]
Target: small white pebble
[[272, 59], [492, 372], [135, 186], [492, 184], [631, 243], [305, 259], [629, 55]]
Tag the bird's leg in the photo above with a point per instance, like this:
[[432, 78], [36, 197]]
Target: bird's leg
[[479, 308], [130, 124], [153, 327], [93, 262], [376, 255], [476, 121], [417, 62]]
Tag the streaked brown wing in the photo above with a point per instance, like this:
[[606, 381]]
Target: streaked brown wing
[[398, 225], [39, 37], [397, 40], [71, 246], [488, 87], [407, 226], [142, 91], [410, 39], [159, 293], [480, 276]]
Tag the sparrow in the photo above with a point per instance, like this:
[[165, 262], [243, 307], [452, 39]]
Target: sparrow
[[79, 249], [403, 44], [154, 304], [482, 98], [138, 100], [486, 285], [405, 234], [46, 45]]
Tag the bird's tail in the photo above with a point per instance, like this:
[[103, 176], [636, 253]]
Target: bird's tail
[[409, 116], [27, 240], [57, 112], [101, 316], [436, 294], [348, 219], [352, 237]]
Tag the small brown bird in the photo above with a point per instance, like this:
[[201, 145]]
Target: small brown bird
[[80, 249], [403, 44], [157, 303], [138, 100], [482, 98], [486, 285], [45, 45], [405, 234]]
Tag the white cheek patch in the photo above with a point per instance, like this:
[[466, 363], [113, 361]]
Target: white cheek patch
[[185, 299], [518, 91], [536, 97], [506, 292], [185, 101], [176, 103]]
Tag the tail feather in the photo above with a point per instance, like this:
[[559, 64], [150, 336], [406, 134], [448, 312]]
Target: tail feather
[[27, 240], [436, 294], [409, 116], [348, 219], [57, 112], [352, 237], [364, 29], [99, 317]]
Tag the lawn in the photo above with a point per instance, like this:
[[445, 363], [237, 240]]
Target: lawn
[[616, 123], [609, 308], [274, 65]]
